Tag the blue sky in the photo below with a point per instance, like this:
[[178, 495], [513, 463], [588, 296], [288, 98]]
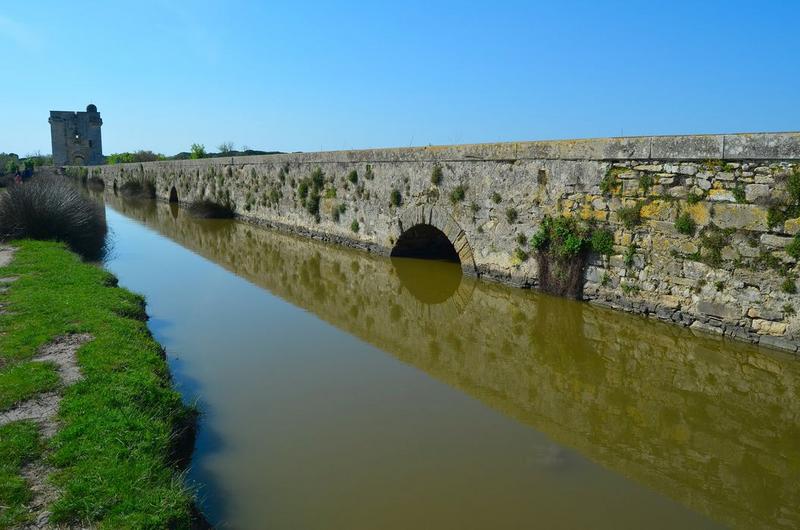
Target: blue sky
[[314, 75]]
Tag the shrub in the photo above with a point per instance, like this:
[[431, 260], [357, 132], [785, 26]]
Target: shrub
[[789, 286], [53, 209], [436, 175], [793, 187], [354, 226], [630, 216], [458, 194], [395, 198], [793, 248], [312, 204], [520, 254], [789, 310], [209, 209], [511, 215], [630, 256], [522, 240], [496, 198], [610, 182], [602, 241], [685, 224], [352, 177]]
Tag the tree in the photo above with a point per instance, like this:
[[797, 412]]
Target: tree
[[225, 147], [198, 151]]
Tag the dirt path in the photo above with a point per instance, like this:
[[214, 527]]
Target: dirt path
[[43, 409]]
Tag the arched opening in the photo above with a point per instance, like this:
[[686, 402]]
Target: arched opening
[[424, 241], [173, 195], [115, 187]]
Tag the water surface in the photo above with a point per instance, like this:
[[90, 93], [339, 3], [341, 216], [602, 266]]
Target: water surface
[[345, 390]]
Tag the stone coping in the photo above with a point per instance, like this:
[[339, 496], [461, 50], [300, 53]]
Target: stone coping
[[746, 146]]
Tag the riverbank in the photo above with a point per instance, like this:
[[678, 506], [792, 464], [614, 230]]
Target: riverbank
[[91, 430]]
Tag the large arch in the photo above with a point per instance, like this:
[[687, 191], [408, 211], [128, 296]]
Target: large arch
[[431, 225]]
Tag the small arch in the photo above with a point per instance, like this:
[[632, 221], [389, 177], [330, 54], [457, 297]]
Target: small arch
[[115, 186], [173, 195], [424, 241], [427, 231]]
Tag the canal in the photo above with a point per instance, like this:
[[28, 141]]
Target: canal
[[345, 390]]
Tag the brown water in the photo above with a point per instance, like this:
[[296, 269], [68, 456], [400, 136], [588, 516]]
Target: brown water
[[344, 390]]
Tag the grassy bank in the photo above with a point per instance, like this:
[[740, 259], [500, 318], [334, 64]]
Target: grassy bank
[[116, 454]]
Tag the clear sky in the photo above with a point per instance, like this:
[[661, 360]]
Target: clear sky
[[337, 75]]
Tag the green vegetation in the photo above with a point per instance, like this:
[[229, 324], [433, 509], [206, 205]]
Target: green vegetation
[[19, 444], [25, 380], [395, 198], [610, 183], [793, 248], [474, 207], [602, 241], [338, 211], [719, 286], [694, 198], [368, 174], [684, 224], [629, 258], [645, 183], [561, 244], [354, 226], [520, 254], [739, 193], [496, 198], [713, 239], [436, 175], [630, 216], [778, 213], [137, 156], [53, 208], [458, 194], [225, 148], [122, 425], [302, 189], [511, 215], [789, 286], [521, 239], [789, 310], [197, 151], [330, 193], [352, 177]]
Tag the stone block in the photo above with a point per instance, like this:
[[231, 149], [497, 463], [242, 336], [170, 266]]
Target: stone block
[[740, 216], [719, 195], [719, 310], [756, 192], [772, 241]]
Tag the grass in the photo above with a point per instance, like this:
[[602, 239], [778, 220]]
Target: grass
[[496, 198], [395, 198], [630, 216], [19, 443], [116, 452], [512, 215], [24, 380]]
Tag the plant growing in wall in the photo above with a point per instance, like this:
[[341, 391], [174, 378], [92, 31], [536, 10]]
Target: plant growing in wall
[[395, 198], [354, 226], [511, 216], [630, 216], [352, 177], [684, 224], [561, 246], [458, 194], [436, 175]]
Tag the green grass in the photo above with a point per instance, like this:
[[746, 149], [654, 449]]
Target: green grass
[[24, 380], [19, 443], [113, 454]]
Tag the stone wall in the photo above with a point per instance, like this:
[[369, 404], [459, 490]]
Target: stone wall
[[704, 226]]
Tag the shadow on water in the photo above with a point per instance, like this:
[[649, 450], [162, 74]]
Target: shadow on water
[[711, 423]]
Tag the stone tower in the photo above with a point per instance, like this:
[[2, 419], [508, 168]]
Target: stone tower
[[76, 137]]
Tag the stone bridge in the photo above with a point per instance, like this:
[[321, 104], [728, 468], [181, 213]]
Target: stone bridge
[[734, 272]]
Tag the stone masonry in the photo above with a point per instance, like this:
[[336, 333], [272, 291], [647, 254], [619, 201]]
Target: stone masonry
[[733, 273]]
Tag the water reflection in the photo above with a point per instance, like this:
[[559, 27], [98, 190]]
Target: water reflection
[[710, 423]]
